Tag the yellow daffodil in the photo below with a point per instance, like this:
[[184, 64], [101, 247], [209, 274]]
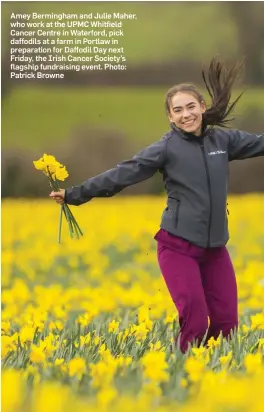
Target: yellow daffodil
[[194, 367], [7, 345], [56, 171], [253, 362], [27, 334], [77, 367], [257, 321], [37, 355], [224, 360], [106, 396], [199, 352], [85, 340], [59, 362], [61, 173], [155, 366], [113, 326], [102, 373]]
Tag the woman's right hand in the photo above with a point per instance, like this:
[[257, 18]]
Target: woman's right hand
[[58, 196]]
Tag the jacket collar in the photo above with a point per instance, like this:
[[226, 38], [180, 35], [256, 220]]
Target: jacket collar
[[191, 136]]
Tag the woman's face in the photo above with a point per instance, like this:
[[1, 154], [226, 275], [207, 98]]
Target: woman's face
[[186, 112]]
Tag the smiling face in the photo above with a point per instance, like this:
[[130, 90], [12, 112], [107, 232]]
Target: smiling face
[[186, 112]]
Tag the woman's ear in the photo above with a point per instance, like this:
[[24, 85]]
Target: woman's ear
[[203, 107], [170, 116]]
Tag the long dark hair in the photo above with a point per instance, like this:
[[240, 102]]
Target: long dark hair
[[218, 82]]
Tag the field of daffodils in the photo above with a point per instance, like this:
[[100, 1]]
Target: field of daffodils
[[88, 324]]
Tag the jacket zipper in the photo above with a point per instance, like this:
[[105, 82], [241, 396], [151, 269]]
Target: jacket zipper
[[177, 209], [177, 212], [227, 209], [209, 190]]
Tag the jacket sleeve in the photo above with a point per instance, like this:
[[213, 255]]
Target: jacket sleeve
[[243, 145], [142, 166]]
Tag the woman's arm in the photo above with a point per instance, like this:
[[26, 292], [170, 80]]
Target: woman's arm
[[141, 167], [243, 145]]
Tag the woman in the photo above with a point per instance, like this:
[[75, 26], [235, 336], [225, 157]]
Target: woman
[[193, 159]]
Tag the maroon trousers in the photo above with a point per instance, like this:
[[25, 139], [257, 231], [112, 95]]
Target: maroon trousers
[[202, 284]]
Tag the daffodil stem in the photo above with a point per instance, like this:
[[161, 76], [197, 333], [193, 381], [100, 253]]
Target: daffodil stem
[[60, 224], [67, 218], [75, 222], [69, 221], [77, 228], [74, 228], [65, 214]]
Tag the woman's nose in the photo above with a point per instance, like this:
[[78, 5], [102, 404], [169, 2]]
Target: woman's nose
[[185, 113]]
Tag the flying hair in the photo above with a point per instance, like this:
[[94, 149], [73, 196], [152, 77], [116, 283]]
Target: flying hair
[[218, 81]]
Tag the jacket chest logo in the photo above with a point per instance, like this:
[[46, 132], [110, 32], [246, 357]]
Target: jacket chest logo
[[217, 152]]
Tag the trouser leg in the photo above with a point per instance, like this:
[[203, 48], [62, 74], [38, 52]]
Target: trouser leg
[[183, 279], [220, 288]]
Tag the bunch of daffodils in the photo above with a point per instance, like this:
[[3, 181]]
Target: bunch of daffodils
[[56, 171]]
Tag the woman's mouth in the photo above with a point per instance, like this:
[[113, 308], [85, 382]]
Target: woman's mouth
[[189, 122]]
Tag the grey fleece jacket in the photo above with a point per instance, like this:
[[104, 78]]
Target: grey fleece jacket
[[195, 175]]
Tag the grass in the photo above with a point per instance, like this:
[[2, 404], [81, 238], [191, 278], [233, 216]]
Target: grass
[[32, 117]]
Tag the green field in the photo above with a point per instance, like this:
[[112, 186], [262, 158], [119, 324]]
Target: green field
[[33, 116], [163, 30]]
